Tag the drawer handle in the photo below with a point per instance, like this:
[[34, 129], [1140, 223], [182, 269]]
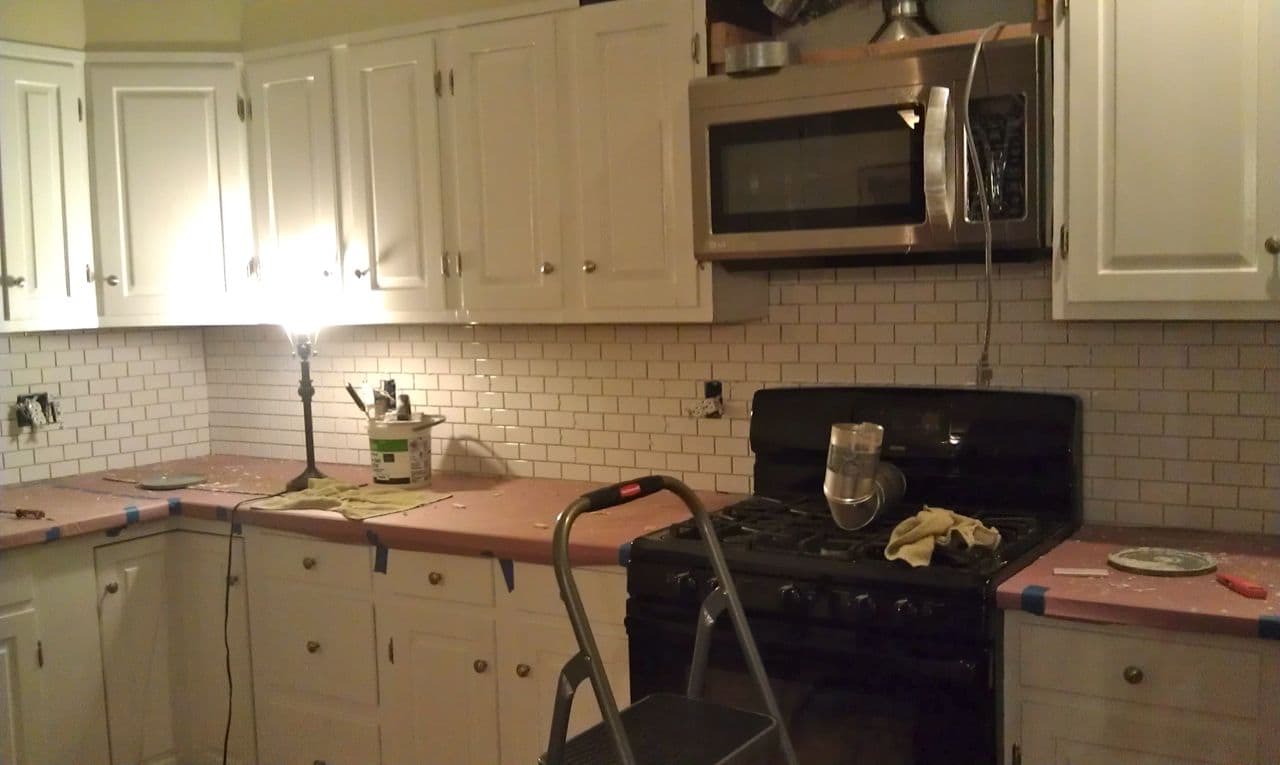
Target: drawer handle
[[313, 646], [308, 563], [480, 666], [319, 762], [435, 577], [523, 670], [112, 588], [1133, 675]]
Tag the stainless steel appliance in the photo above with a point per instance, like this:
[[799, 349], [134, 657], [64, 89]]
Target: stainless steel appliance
[[868, 156], [873, 661]]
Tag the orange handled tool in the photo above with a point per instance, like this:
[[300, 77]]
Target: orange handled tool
[[1246, 587]]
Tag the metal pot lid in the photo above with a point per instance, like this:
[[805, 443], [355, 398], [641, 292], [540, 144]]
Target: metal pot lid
[[757, 57], [1162, 561], [165, 482]]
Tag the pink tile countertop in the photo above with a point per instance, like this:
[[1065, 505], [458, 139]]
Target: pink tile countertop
[[498, 516], [1190, 604]]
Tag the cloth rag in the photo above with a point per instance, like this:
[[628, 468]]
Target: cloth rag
[[915, 539], [354, 502]]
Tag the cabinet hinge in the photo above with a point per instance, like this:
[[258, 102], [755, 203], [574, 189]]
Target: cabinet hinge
[[444, 264], [1066, 6], [240, 108], [391, 650], [1064, 241], [457, 263], [80, 108], [450, 80], [696, 47], [1015, 755], [439, 82], [40, 654]]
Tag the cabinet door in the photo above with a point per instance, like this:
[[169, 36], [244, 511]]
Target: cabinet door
[[198, 570], [439, 684], [1171, 190], [171, 190], [506, 132], [133, 616], [44, 177], [294, 173], [395, 258], [317, 735], [531, 654], [21, 697], [630, 73]]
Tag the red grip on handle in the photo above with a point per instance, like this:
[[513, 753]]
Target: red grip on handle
[[1245, 587]]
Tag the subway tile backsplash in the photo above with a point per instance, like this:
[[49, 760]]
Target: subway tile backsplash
[[127, 397], [1182, 423]]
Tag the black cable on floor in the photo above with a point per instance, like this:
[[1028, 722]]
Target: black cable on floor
[[226, 618]]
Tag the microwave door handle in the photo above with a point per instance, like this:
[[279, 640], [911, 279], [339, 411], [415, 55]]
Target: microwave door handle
[[938, 184]]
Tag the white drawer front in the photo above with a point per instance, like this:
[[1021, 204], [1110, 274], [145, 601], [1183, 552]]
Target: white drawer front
[[604, 592], [1168, 673], [291, 735], [311, 561], [316, 641], [432, 576]]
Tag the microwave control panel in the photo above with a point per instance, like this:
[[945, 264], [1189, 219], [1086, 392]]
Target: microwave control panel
[[1000, 132]]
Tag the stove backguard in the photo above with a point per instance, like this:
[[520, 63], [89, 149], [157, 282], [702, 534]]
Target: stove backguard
[[957, 447]]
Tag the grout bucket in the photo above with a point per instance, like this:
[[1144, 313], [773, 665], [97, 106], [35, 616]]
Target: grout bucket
[[400, 450]]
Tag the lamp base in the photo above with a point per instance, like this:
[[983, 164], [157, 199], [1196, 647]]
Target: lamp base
[[300, 483]]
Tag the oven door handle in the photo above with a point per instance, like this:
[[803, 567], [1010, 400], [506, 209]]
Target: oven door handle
[[939, 187]]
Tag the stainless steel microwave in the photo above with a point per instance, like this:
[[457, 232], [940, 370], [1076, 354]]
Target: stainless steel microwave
[[868, 156]]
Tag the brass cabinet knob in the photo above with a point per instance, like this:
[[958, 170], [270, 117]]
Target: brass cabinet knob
[[1133, 675], [360, 272], [112, 280], [233, 580], [547, 267], [480, 666], [588, 266], [313, 646], [523, 670], [319, 762], [13, 281], [308, 563], [113, 588], [1273, 245], [435, 577]]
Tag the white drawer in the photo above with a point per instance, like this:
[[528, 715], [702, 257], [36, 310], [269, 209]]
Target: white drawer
[[1165, 673], [315, 641], [310, 561], [293, 735], [433, 576], [603, 591]]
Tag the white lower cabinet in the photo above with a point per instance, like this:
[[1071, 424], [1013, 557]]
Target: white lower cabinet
[[1079, 694], [21, 689]]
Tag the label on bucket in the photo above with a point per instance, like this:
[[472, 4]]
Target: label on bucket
[[401, 460]]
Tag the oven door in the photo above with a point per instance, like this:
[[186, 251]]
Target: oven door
[[847, 699], [864, 171]]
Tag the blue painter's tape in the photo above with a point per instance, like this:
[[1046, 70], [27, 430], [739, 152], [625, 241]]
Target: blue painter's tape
[[221, 513], [1033, 599], [624, 554], [175, 506], [1269, 626], [131, 515], [508, 573], [52, 534], [235, 529]]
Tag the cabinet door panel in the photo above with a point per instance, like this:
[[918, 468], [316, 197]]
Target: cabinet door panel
[[21, 698], [440, 705], [294, 734], [398, 219], [1168, 187], [44, 174], [133, 615], [294, 172], [504, 81], [169, 155], [631, 70]]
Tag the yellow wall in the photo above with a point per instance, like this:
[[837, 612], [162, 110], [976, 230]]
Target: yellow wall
[[163, 24], [275, 22], [43, 22]]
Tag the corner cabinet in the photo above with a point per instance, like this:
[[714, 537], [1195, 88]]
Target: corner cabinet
[[174, 236], [47, 245], [1168, 192]]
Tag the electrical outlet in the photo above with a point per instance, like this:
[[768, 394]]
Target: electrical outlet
[[36, 410]]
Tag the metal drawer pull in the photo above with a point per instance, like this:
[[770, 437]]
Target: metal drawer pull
[[112, 280], [1273, 245], [1133, 675], [308, 563], [547, 267], [588, 267], [319, 762], [233, 580], [523, 670], [13, 281], [112, 588], [480, 666], [435, 577], [360, 272], [313, 646]]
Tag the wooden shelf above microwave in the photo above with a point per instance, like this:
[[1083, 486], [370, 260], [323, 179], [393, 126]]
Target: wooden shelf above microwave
[[1019, 31]]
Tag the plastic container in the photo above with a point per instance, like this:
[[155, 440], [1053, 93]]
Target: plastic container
[[400, 450]]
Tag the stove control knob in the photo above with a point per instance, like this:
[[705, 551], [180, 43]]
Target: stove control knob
[[796, 599], [906, 609], [685, 584], [862, 608]]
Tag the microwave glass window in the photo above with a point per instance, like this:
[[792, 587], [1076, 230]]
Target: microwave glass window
[[862, 167]]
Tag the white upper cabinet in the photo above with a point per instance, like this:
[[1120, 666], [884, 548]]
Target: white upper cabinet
[[171, 189], [1171, 159], [44, 186], [504, 89], [394, 261], [294, 174]]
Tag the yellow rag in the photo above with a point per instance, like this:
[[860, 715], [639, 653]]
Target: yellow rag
[[354, 502], [914, 539]]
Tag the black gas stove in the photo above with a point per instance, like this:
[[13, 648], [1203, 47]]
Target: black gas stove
[[818, 594]]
